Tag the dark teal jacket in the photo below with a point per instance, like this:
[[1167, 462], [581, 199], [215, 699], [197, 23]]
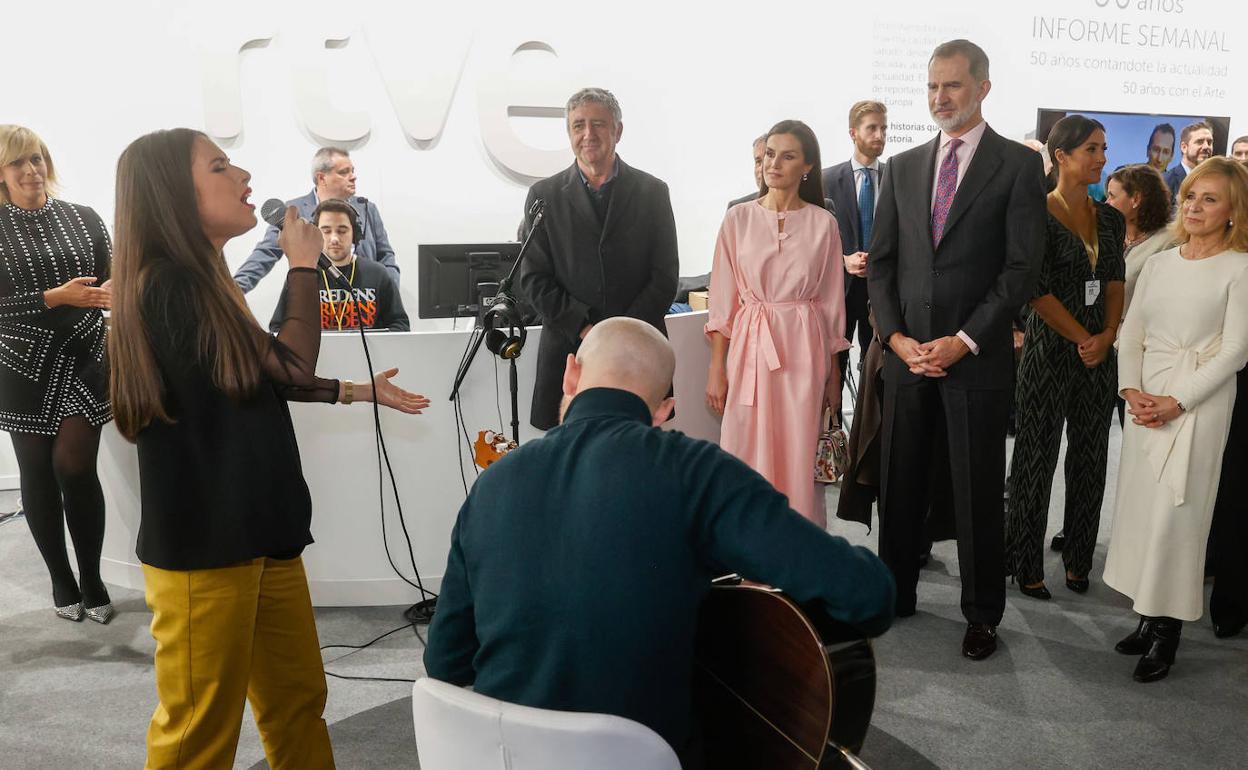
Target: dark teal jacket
[[579, 561]]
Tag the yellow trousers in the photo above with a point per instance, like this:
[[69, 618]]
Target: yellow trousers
[[226, 635]]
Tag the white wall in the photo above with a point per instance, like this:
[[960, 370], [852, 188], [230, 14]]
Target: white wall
[[697, 83]]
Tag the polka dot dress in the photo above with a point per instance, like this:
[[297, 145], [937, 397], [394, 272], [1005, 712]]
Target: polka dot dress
[[52, 363]]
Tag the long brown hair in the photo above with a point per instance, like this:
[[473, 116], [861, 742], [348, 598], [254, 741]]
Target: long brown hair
[[157, 229]]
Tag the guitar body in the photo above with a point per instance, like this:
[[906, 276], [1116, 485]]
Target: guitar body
[[775, 686]]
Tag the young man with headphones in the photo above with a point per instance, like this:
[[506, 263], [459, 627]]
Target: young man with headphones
[[374, 298]]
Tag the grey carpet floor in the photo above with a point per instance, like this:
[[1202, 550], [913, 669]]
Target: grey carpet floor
[[1054, 696]]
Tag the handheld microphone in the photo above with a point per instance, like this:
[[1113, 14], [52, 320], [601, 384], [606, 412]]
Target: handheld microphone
[[274, 212]]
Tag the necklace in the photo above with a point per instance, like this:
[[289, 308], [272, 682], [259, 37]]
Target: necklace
[[1093, 248]]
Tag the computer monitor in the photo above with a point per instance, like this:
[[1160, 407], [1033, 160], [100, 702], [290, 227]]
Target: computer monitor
[[460, 279], [1139, 137]]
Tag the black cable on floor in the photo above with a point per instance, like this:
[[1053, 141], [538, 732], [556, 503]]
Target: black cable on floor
[[357, 647]]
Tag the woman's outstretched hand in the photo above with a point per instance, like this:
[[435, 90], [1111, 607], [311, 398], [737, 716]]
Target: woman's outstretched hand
[[386, 393]]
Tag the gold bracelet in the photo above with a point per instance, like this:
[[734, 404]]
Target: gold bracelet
[[348, 391]]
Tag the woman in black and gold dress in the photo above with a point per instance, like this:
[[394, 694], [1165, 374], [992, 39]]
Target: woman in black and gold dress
[[1068, 372], [54, 267]]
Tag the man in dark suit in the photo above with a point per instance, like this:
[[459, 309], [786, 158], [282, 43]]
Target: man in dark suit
[[957, 241], [607, 246], [1195, 145], [760, 147], [853, 187]]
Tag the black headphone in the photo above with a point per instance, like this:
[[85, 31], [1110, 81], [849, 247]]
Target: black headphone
[[357, 224], [503, 344]]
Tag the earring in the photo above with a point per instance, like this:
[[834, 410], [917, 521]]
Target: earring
[[805, 177]]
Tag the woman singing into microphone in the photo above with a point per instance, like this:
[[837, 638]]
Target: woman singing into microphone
[[202, 390]]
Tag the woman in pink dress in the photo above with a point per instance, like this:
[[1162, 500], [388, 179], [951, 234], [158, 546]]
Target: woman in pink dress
[[777, 320]]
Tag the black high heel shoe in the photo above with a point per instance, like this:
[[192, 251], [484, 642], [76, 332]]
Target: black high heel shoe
[[1164, 642], [1078, 585], [1035, 592]]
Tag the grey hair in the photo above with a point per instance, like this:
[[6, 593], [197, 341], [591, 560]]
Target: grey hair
[[323, 160], [973, 53], [596, 96]]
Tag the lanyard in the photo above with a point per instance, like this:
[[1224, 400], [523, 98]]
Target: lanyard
[[339, 315], [1094, 248]]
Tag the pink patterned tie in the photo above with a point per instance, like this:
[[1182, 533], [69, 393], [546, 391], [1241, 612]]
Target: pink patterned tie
[[946, 186]]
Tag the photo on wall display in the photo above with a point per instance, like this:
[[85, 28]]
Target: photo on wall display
[[1134, 137]]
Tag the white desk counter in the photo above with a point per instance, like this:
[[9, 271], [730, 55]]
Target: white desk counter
[[347, 565]]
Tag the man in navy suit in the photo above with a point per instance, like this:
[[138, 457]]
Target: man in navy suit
[[854, 188], [1195, 144]]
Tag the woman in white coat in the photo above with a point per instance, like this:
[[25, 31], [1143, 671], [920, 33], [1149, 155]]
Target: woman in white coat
[[1184, 338]]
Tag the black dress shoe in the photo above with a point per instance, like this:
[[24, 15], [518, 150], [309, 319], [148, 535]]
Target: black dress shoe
[[1227, 629], [1058, 542], [1137, 642], [1035, 592], [980, 641], [1078, 585], [1164, 642], [903, 611]]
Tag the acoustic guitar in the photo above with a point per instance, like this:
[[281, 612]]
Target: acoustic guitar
[[778, 686]]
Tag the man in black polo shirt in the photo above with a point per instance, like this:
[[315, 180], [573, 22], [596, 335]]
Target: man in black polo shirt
[[579, 560], [373, 300]]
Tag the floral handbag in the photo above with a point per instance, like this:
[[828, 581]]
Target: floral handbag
[[832, 451]]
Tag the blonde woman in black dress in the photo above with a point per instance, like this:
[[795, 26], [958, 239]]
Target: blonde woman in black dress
[[54, 266]]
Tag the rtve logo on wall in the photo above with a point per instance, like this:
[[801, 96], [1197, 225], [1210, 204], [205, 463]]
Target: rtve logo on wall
[[420, 80]]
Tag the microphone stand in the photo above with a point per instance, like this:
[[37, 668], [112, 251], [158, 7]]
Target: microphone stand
[[504, 307]]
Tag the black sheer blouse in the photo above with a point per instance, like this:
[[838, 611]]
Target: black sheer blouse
[[223, 483]]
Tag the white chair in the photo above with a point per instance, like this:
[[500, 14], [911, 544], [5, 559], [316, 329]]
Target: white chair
[[457, 729]]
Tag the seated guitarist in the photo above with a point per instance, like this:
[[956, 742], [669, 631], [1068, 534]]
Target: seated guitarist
[[579, 560]]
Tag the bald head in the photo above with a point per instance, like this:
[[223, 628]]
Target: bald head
[[625, 354]]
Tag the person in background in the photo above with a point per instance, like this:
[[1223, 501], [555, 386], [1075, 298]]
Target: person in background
[[777, 319], [1181, 344], [1160, 148], [759, 147], [54, 269], [1196, 145], [607, 248], [620, 528], [854, 187], [373, 300], [333, 176], [1067, 372], [1139, 193], [1239, 149], [225, 511]]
